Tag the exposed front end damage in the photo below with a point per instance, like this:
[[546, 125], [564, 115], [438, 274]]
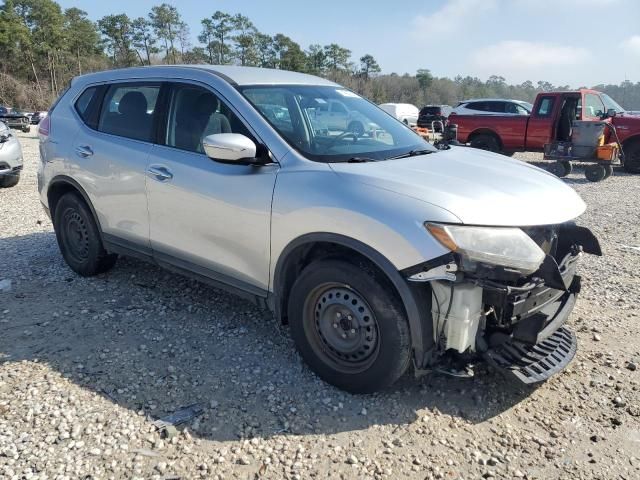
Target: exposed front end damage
[[514, 320]]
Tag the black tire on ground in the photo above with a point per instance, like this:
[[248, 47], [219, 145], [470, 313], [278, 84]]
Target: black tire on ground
[[26, 129], [608, 171], [485, 142], [78, 237], [632, 157], [561, 168], [595, 173], [9, 181], [349, 326], [356, 127]]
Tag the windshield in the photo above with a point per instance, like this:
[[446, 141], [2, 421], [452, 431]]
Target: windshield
[[332, 124], [527, 106], [610, 103]]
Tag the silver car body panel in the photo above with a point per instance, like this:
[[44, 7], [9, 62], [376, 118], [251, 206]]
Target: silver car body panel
[[237, 220], [10, 152]]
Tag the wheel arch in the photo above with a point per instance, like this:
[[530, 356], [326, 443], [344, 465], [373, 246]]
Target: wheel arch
[[486, 131], [305, 249], [63, 184]]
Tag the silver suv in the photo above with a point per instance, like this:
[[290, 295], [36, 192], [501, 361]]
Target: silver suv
[[377, 249]]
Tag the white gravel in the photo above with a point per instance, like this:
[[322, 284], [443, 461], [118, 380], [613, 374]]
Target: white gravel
[[86, 366]]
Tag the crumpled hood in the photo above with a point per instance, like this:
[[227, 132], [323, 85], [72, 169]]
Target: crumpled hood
[[478, 187]]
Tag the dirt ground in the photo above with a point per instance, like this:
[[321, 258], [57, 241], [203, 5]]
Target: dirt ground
[[87, 364]]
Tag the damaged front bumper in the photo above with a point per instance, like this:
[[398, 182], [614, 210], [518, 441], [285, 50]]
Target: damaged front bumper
[[516, 324]]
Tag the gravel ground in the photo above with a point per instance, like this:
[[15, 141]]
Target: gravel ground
[[87, 365]]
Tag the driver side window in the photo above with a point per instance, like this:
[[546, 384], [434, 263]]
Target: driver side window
[[593, 106], [196, 112]]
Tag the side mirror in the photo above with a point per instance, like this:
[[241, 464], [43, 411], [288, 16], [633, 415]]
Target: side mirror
[[230, 148], [611, 112]]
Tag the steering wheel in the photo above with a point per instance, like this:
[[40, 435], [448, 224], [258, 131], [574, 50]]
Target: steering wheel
[[340, 137]]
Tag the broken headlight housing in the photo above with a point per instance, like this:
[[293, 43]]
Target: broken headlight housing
[[504, 246]]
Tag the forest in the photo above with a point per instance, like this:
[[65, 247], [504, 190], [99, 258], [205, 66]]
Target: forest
[[42, 47]]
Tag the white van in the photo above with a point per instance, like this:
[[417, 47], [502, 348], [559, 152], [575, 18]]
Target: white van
[[405, 112]]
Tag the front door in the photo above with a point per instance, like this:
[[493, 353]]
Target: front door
[[205, 216]]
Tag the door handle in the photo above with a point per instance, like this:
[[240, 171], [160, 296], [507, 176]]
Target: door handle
[[84, 151], [160, 173]]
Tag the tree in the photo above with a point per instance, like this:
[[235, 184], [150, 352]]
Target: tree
[[316, 59], [289, 54], [82, 38], [166, 23], [215, 33], [118, 36], [337, 56], [265, 50], [244, 38], [424, 78], [143, 39], [368, 65]]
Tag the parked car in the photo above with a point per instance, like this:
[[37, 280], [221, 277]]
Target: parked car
[[378, 250], [405, 112], [334, 115], [37, 117], [493, 106], [10, 158], [3, 110], [17, 120], [552, 120], [434, 113]]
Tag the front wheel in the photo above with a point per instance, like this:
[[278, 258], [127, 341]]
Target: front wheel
[[349, 326], [595, 173], [78, 237]]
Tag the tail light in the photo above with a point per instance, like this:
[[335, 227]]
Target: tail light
[[45, 126]]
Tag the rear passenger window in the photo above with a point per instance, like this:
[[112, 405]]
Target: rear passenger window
[[127, 110], [481, 106], [83, 102], [496, 107], [545, 107]]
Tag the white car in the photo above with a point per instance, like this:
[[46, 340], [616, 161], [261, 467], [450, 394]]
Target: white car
[[405, 112], [493, 106], [333, 115]]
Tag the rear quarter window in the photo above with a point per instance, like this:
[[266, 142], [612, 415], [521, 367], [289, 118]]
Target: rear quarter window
[[83, 102]]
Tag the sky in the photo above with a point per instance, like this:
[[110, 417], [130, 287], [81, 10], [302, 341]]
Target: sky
[[565, 42]]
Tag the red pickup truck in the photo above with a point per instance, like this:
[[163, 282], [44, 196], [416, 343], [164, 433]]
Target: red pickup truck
[[551, 119]]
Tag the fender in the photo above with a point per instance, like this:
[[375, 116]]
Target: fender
[[415, 299], [64, 179]]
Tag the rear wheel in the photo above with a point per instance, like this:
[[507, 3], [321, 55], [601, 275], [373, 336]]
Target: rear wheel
[[632, 157], [349, 326], [561, 168], [485, 142], [78, 237], [608, 169], [9, 181]]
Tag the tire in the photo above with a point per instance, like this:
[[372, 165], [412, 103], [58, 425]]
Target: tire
[[356, 128], [485, 142], [349, 326], [9, 181], [561, 168], [26, 129], [632, 157], [79, 238], [595, 173]]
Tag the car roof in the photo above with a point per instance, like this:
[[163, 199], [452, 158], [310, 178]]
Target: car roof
[[493, 100], [235, 75]]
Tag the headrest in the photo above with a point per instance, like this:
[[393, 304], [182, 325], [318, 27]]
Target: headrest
[[206, 104], [133, 103]]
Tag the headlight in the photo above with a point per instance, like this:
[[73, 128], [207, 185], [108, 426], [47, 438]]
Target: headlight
[[508, 247]]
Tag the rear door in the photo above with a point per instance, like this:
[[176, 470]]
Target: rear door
[[111, 151]]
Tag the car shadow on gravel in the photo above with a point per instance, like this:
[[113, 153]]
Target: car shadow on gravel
[[153, 341]]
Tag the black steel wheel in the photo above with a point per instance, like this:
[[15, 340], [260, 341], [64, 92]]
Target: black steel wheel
[[349, 326], [595, 173], [78, 237]]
